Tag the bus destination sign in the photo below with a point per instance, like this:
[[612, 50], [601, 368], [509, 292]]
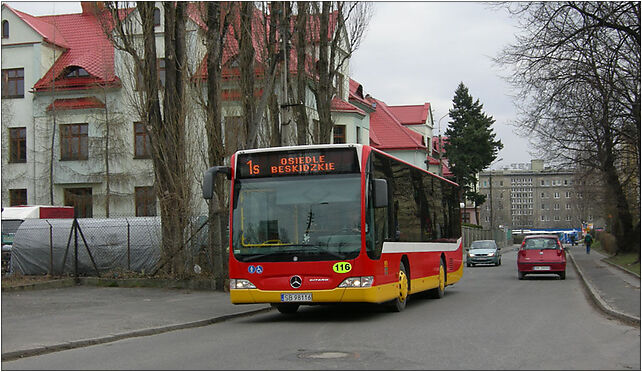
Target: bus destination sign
[[297, 162]]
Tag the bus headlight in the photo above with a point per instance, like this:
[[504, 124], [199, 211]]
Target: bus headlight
[[357, 282], [241, 284]]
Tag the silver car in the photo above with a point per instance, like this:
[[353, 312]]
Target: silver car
[[483, 252]]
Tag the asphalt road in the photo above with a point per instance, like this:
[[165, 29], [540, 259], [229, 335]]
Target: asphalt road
[[487, 321]]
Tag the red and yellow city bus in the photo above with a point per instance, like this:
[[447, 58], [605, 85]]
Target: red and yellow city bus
[[337, 223]]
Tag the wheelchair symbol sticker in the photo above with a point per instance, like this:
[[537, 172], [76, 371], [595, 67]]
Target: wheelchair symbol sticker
[[259, 269]]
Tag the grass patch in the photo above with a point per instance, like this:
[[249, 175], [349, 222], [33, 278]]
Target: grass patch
[[623, 260], [626, 261]]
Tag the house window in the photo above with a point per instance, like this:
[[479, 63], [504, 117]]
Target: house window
[[142, 146], [13, 83], [145, 201], [17, 197], [157, 17], [17, 145], [73, 142], [76, 72], [339, 85], [358, 135], [568, 205], [5, 29], [557, 195], [81, 200], [339, 134]]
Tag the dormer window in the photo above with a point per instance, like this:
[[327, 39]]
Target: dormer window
[[76, 72], [5, 29], [157, 17]]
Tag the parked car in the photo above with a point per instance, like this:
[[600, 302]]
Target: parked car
[[541, 254], [483, 252]]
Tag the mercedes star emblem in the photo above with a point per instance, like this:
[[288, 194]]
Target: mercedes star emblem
[[295, 281]]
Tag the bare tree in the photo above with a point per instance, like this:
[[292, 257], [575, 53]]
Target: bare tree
[[577, 69], [217, 26], [341, 27], [166, 122]]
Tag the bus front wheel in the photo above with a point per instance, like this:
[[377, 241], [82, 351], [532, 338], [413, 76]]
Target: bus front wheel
[[399, 303]]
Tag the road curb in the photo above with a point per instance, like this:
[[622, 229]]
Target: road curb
[[205, 285], [13, 355], [51, 284], [599, 302]]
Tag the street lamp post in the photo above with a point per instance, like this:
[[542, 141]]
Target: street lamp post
[[440, 145], [490, 177]]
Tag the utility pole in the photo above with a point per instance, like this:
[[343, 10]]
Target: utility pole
[[440, 172], [490, 177]]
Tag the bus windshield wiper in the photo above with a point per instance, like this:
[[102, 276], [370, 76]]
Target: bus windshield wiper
[[321, 249]]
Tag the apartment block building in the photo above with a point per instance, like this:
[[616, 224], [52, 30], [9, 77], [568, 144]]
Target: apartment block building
[[535, 197]]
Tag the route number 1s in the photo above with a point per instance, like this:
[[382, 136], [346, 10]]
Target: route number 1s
[[254, 168]]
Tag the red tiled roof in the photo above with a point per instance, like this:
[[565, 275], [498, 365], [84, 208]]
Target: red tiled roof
[[356, 93], [339, 105], [411, 114], [89, 49], [435, 142], [386, 132], [259, 23], [46, 30], [76, 103]]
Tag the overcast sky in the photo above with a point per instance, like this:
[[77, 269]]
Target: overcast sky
[[416, 52]]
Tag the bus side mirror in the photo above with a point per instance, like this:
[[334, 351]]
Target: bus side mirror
[[380, 191], [208, 179]]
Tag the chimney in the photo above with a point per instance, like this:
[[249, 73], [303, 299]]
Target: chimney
[[91, 7]]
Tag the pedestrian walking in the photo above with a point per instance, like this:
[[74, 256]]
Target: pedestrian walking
[[588, 239]]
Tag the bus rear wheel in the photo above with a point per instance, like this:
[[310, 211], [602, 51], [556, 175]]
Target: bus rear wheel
[[399, 303], [441, 288], [286, 308]]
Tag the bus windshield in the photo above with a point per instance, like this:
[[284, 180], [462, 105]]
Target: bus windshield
[[303, 218]]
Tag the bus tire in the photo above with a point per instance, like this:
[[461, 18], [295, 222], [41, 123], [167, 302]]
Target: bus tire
[[286, 308], [441, 288], [399, 303]]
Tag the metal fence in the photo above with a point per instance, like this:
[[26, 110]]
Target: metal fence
[[95, 246], [501, 236]]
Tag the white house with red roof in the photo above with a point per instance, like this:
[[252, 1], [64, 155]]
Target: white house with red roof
[[69, 100]]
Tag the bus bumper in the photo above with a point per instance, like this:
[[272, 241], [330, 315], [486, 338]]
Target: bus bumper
[[377, 294]]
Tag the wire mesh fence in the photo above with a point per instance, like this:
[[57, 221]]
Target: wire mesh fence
[[96, 246], [500, 236]]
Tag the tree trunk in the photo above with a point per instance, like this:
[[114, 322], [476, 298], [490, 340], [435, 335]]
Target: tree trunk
[[246, 67], [301, 114], [216, 151]]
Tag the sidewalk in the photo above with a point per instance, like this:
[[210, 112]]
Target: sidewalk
[[42, 321], [615, 291]]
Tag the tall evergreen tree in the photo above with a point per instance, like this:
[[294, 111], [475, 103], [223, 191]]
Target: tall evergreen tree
[[471, 145]]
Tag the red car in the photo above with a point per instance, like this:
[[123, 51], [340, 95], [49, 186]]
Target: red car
[[541, 254]]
